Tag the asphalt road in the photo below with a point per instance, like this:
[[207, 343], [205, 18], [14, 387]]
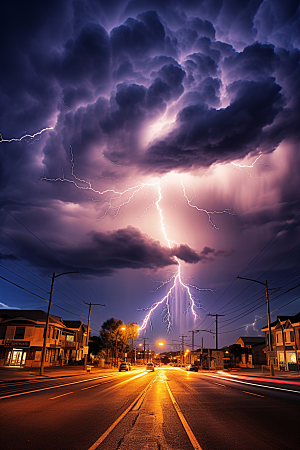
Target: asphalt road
[[167, 409]]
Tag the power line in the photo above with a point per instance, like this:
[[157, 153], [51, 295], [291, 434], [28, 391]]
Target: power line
[[266, 248], [260, 318]]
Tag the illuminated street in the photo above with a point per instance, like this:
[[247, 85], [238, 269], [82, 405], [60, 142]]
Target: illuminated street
[[166, 409]]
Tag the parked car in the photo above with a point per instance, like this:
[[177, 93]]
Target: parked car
[[194, 368], [123, 367], [150, 366]]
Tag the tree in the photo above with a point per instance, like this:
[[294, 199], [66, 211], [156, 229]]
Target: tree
[[113, 334], [132, 331]]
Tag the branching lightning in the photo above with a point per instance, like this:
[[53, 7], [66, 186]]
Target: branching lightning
[[208, 213], [29, 138], [243, 167], [115, 201]]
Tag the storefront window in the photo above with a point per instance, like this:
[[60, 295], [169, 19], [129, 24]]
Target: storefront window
[[291, 357]]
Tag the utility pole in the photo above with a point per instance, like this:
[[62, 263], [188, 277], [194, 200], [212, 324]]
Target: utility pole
[[182, 347], [216, 316], [269, 321], [88, 331], [193, 338], [144, 348], [48, 319]]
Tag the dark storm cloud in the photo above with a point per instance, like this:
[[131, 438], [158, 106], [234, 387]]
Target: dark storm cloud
[[105, 252], [102, 72], [205, 136], [139, 65]]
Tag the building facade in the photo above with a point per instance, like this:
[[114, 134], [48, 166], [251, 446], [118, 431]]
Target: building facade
[[22, 338], [285, 335], [254, 354]]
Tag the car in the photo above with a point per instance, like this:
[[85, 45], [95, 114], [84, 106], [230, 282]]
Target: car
[[150, 366], [194, 368], [123, 367]]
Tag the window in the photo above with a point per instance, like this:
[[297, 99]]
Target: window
[[2, 331], [291, 357], [20, 332], [292, 336], [289, 336], [279, 338], [69, 338]]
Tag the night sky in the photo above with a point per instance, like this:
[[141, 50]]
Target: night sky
[[152, 146]]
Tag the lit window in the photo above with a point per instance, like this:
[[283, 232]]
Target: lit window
[[291, 357]]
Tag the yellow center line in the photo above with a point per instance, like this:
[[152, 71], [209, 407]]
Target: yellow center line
[[62, 395], [251, 393], [186, 426], [110, 429]]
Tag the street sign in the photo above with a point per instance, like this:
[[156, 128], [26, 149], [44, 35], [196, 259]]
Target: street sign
[[86, 350]]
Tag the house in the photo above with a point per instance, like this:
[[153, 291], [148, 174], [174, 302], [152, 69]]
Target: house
[[254, 355], [75, 339], [285, 338], [22, 338], [208, 358]]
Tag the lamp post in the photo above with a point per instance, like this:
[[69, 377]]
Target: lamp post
[[48, 319], [269, 322]]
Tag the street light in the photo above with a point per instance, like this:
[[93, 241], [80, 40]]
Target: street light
[[269, 322], [48, 319]]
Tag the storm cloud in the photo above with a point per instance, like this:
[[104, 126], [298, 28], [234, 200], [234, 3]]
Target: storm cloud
[[169, 128]]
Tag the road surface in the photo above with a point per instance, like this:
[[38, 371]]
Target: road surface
[[166, 409]]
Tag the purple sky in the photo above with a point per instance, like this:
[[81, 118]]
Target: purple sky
[[164, 150]]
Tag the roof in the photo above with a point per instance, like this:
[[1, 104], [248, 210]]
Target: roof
[[293, 319], [74, 324], [36, 315], [252, 340]]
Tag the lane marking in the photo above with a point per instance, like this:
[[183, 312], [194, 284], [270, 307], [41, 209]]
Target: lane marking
[[252, 393], [221, 384], [253, 384], [94, 385], [62, 395], [186, 426], [60, 385], [110, 429]]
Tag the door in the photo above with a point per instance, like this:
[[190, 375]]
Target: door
[[17, 357]]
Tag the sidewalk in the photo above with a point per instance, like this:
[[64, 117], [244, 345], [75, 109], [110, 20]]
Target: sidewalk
[[15, 374]]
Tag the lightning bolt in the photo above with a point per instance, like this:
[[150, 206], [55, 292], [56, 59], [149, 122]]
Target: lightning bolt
[[27, 137], [208, 213], [177, 281], [251, 166], [122, 199]]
